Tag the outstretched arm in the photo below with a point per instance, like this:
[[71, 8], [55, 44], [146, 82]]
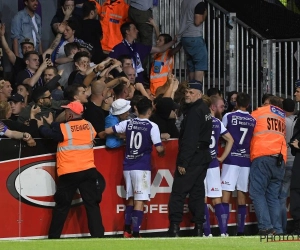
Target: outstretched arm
[[163, 48], [8, 51]]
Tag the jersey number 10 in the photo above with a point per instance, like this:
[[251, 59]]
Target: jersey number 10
[[136, 140]]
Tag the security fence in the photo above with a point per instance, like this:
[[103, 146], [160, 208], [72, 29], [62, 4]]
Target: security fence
[[238, 57]]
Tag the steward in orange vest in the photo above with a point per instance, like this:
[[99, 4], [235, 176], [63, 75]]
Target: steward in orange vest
[[163, 65], [113, 14], [268, 152], [269, 132], [75, 169]]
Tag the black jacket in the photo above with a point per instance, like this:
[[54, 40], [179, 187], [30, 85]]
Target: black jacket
[[196, 128]]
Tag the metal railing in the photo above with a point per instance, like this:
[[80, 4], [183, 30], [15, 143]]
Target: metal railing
[[238, 57]]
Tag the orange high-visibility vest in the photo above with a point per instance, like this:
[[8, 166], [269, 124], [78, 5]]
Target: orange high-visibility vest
[[269, 133], [111, 18], [76, 152], [159, 79]]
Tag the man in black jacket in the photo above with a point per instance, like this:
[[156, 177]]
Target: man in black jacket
[[192, 161], [295, 184]]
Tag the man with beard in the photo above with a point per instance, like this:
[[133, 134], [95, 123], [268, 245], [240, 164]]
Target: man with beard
[[51, 78], [27, 24], [42, 98], [192, 161], [212, 182]]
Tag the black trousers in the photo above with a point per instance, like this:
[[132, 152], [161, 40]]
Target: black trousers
[[295, 188], [191, 183], [91, 184], [295, 203]]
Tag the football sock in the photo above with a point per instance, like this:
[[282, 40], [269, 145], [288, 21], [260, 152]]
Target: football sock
[[128, 216], [226, 211], [137, 217], [206, 224], [241, 218], [221, 216]]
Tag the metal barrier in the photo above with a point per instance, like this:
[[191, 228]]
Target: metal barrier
[[238, 57]]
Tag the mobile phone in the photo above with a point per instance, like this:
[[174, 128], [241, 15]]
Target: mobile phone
[[48, 56]]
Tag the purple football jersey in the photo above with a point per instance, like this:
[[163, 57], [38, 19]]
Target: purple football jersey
[[218, 130], [141, 134], [240, 124]]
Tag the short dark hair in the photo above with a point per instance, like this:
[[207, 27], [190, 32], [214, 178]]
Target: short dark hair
[[69, 47], [125, 27], [143, 105], [29, 90], [243, 100], [28, 54], [73, 25], [134, 100], [213, 91], [53, 68], [62, 2], [122, 58], [167, 38], [71, 91], [119, 89], [276, 101], [265, 97], [79, 55], [38, 93], [87, 7]]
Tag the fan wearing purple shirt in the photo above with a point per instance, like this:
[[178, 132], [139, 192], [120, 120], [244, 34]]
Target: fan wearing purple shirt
[[141, 134], [137, 51]]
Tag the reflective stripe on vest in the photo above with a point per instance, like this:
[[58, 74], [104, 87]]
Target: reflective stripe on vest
[[157, 75], [70, 140]]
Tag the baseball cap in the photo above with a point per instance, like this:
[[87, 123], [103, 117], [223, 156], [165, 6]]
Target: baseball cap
[[75, 106], [297, 83], [16, 98], [288, 105], [27, 41], [120, 106], [194, 84]]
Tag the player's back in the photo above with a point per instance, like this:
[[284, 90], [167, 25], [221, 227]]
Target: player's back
[[139, 134], [240, 124], [218, 130]]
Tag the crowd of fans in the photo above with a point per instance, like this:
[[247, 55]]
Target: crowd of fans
[[96, 61], [93, 59]]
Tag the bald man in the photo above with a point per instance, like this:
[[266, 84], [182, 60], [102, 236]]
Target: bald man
[[93, 110], [130, 73]]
